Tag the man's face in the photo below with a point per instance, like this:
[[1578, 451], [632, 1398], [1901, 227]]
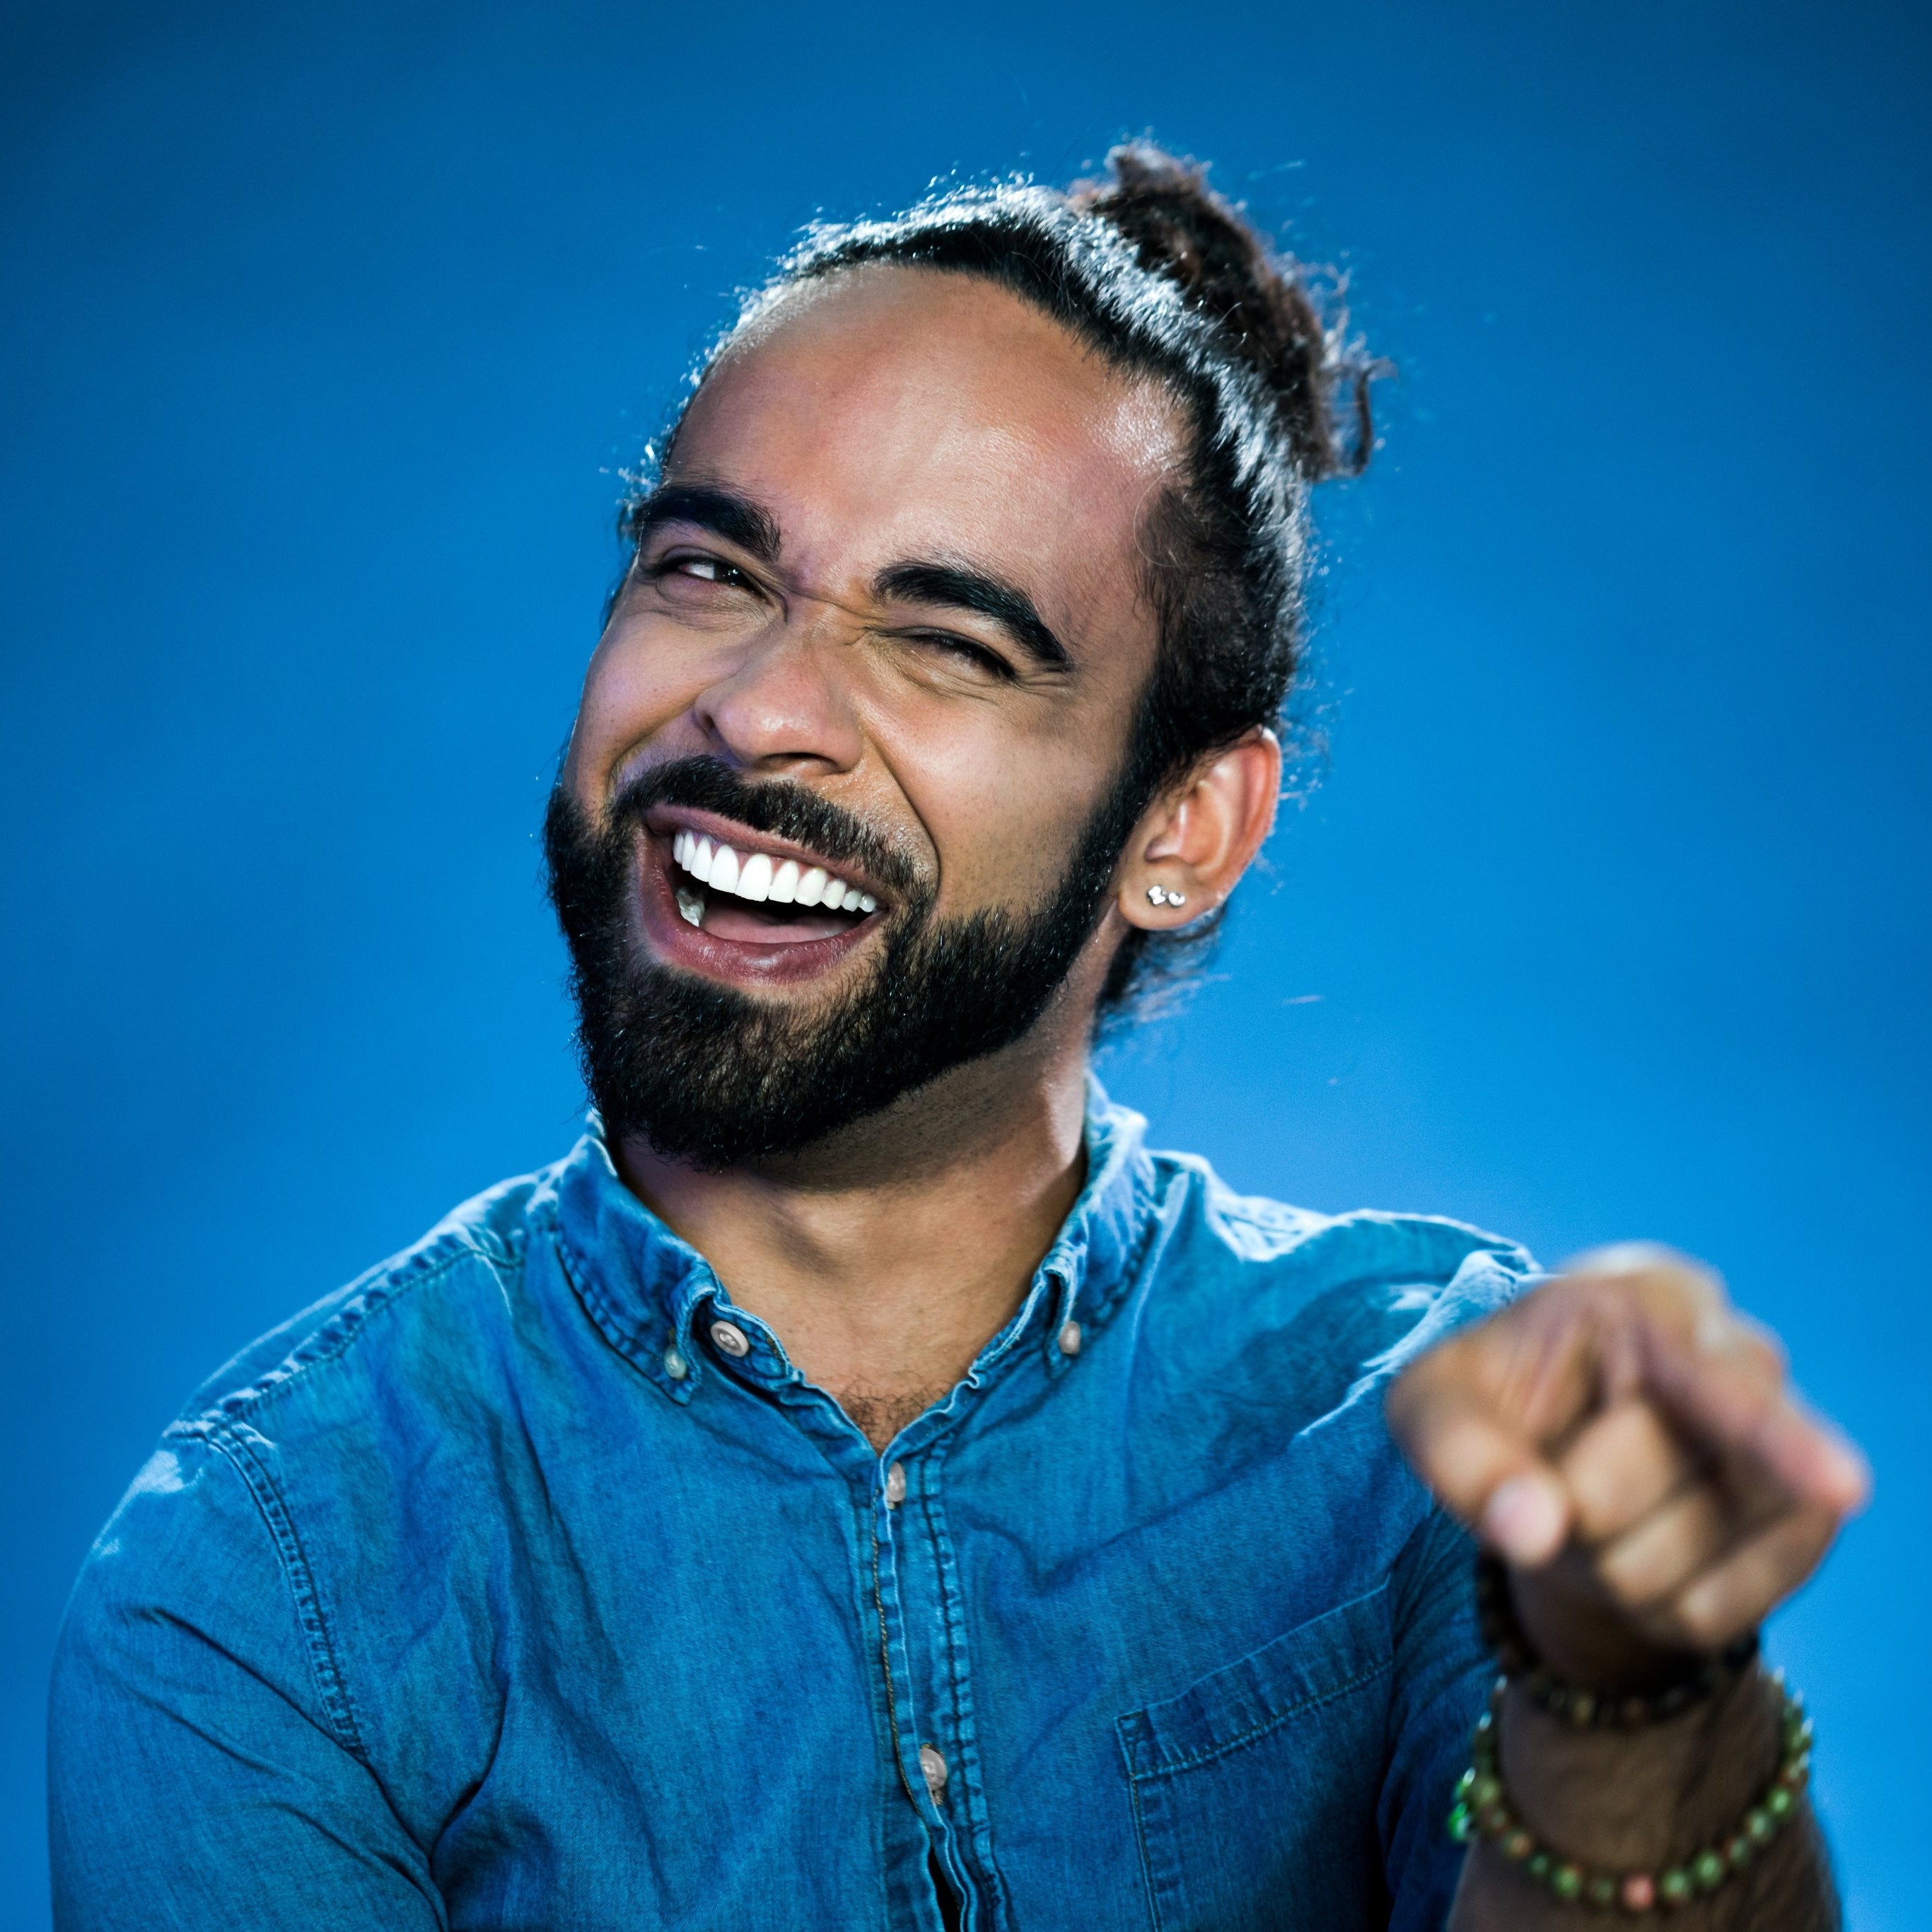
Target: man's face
[[887, 627]]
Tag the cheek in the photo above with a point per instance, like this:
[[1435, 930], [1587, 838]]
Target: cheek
[[630, 693], [1002, 807]]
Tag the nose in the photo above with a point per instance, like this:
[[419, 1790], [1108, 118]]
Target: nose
[[783, 707]]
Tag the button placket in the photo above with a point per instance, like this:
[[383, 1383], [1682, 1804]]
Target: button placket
[[1064, 1336], [728, 1338], [753, 1349]]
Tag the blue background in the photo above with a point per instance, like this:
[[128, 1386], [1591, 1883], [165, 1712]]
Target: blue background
[[324, 331]]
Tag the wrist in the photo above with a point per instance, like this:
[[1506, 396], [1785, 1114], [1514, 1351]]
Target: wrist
[[1583, 1661], [1634, 1828], [1647, 1799]]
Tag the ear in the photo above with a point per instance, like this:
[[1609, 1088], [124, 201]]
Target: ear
[[1194, 841]]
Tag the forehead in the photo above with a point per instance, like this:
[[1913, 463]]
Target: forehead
[[889, 412]]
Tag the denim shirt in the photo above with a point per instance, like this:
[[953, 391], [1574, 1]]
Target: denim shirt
[[507, 1587]]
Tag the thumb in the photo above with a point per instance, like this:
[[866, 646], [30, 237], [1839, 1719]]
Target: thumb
[[1490, 1476]]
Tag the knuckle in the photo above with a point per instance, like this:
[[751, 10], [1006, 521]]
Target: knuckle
[[1704, 1618], [1654, 1270], [1624, 1585]]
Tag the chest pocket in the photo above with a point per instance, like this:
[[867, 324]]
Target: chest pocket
[[1255, 1790]]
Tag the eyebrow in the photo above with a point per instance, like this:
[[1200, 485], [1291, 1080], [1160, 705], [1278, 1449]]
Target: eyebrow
[[742, 520], [964, 589], [737, 519]]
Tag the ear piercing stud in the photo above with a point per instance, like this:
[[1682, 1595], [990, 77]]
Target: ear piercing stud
[[1163, 896]]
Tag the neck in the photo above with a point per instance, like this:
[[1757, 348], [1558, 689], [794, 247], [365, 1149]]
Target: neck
[[885, 1258]]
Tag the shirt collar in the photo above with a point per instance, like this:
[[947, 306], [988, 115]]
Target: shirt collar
[[643, 1286]]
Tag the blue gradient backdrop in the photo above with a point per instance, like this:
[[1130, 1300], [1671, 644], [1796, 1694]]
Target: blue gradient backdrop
[[325, 331]]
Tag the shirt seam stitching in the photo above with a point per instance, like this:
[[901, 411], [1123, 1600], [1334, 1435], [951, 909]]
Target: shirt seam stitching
[[325, 1667], [1146, 1850], [965, 1713], [1208, 1753], [260, 1397], [630, 1339]]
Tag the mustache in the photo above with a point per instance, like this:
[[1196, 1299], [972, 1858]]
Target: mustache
[[785, 810]]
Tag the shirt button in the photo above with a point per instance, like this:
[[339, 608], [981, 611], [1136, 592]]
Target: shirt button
[[676, 1366], [731, 1338], [896, 1486], [932, 1768], [1069, 1338]]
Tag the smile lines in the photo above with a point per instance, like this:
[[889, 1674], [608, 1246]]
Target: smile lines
[[752, 875]]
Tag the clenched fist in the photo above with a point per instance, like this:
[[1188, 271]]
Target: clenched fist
[[1632, 1447]]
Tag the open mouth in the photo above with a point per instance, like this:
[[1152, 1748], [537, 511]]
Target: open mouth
[[738, 893]]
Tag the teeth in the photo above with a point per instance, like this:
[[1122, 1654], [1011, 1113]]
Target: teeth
[[756, 876]]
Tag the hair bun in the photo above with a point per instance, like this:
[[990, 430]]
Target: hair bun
[[1181, 229]]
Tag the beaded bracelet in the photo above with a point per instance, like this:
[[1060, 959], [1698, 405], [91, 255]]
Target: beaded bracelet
[[1482, 1811], [1496, 1612]]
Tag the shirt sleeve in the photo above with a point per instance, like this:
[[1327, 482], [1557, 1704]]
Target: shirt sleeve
[[204, 1766], [1442, 1678]]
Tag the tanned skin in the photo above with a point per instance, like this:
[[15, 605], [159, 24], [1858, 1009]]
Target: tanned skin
[[1632, 1444], [1625, 1441]]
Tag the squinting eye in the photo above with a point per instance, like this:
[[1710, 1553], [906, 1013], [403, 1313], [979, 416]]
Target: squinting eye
[[964, 648], [701, 569]]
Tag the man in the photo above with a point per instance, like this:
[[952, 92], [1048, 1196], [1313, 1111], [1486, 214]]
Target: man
[[861, 1485]]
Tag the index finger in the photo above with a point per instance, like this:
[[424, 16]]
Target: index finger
[[1723, 1378], [1718, 1387]]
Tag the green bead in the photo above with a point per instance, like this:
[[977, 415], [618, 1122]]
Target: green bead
[[1739, 1851], [1463, 1783], [1566, 1881], [1779, 1803], [1674, 1887], [1603, 1891], [1709, 1870], [1760, 1824], [1484, 1792], [1460, 1829], [1538, 1867]]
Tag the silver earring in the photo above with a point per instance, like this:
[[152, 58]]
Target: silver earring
[[1162, 896]]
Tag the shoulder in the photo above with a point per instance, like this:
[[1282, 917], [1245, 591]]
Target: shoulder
[[299, 1456], [328, 1463], [1254, 1244], [429, 1308], [1359, 1293]]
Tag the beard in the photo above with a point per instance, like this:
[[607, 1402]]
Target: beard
[[716, 1077]]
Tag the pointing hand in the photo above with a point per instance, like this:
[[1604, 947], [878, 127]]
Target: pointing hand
[[1632, 1447]]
